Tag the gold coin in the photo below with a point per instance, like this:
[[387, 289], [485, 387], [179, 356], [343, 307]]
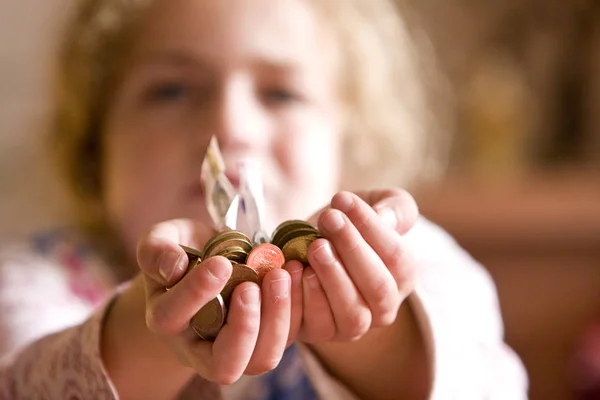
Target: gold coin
[[240, 273], [209, 320], [194, 257], [234, 254], [224, 246], [297, 249], [282, 229], [220, 236], [298, 232], [224, 240], [291, 229]]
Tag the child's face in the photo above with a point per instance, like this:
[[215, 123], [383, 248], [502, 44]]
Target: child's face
[[260, 75]]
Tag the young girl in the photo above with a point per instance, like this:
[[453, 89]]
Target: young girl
[[325, 94]]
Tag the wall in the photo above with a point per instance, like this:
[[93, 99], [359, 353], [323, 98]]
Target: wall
[[29, 193]]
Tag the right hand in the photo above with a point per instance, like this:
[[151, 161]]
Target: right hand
[[254, 337]]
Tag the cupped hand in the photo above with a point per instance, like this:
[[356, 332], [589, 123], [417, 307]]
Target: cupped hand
[[359, 273], [254, 336]]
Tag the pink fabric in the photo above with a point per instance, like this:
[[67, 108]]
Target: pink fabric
[[52, 307], [585, 369]]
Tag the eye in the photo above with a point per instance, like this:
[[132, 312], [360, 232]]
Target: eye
[[169, 91], [280, 96]]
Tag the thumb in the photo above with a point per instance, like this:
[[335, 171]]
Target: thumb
[[159, 254]]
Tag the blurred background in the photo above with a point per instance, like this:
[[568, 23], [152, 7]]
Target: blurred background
[[522, 192]]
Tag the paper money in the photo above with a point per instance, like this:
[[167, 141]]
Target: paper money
[[252, 204], [241, 210], [220, 193]]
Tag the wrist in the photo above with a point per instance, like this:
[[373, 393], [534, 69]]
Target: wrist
[[386, 360], [136, 360]]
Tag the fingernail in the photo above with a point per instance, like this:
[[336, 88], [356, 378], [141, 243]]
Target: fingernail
[[250, 296], [333, 221], [388, 215], [312, 280], [280, 288], [324, 254], [217, 270], [294, 267], [344, 201], [168, 263]]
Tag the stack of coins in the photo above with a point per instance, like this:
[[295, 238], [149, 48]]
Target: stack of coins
[[293, 238], [250, 263]]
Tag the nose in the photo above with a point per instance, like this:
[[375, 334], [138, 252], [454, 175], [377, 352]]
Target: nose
[[239, 121]]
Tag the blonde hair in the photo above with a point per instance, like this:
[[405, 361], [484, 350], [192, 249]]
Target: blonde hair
[[395, 136]]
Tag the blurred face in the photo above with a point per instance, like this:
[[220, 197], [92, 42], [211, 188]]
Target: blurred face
[[259, 75]]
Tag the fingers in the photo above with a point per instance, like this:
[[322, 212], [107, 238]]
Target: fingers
[[396, 206], [274, 324], [386, 243], [317, 319], [169, 312], [233, 348], [354, 228], [350, 312], [159, 255], [295, 269]]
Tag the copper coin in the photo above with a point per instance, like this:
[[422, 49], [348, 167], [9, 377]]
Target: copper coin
[[194, 256], [297, 249], [240, 273], [265, 257], [210, 319]]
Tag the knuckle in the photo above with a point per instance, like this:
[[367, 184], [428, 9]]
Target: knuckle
[[405, 273], [358, 322], [159, 320], [362, 220], [197, 288], [353, 247], [398, 192], [394, 252], [384, 297], [386, 319], [248, 326]]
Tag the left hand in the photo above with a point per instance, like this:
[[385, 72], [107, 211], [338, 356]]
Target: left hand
[[360, 273]]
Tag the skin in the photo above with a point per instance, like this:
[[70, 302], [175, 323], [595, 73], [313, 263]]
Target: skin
[[250, 78]]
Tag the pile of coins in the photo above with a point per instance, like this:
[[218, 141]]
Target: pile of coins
[[250, 263]]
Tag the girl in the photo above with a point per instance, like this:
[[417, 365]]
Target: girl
[[318, 92]]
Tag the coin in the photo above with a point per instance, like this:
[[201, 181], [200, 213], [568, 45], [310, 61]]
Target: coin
[[228, 239], [282, 228], [194, 256], [209, 320], [298, 232], [297, 249], [240, 273], [291, 229], [234, 254], [265, 257], [220, 236]]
